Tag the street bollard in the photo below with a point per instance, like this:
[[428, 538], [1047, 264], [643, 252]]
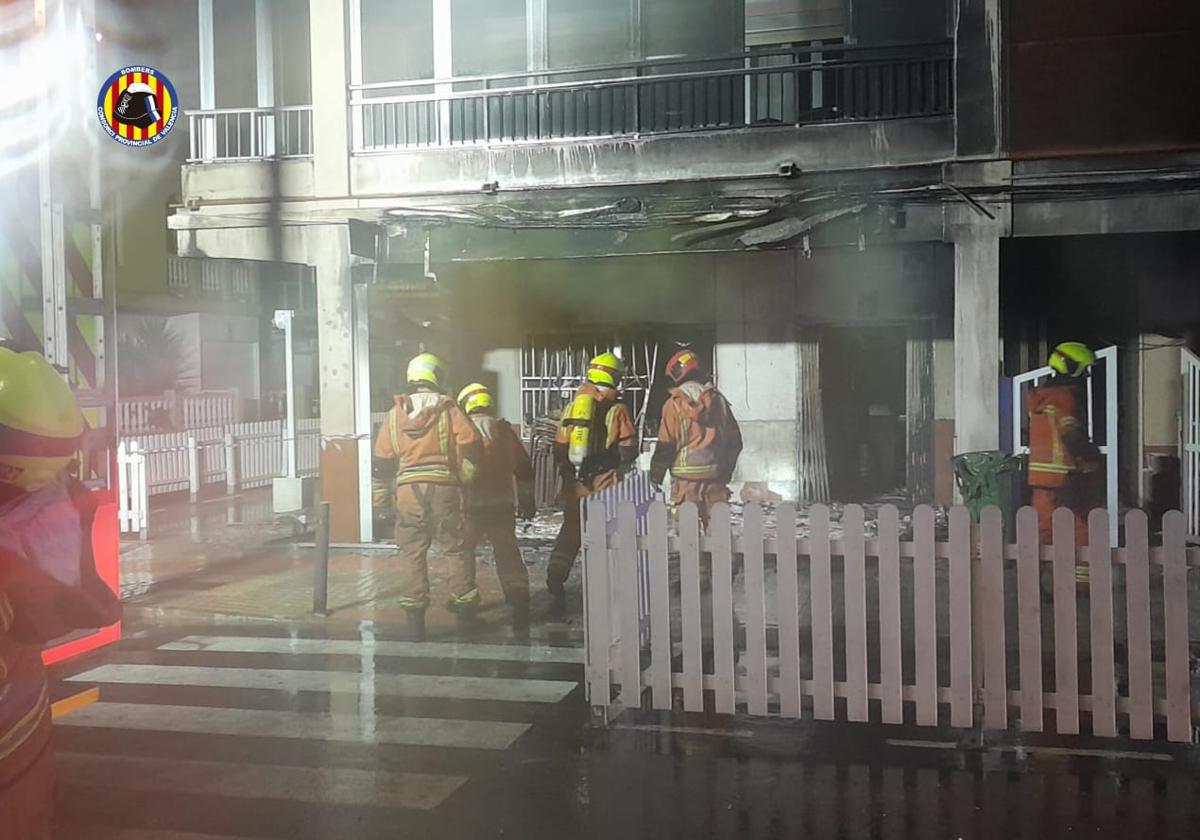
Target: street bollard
[[321, 573]]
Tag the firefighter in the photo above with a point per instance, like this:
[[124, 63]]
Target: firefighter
[[595, 446], [48, 581], [435, 449], [1065, 467], [698, 438], [490, 514]]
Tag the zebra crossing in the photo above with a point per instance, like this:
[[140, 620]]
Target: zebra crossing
[[328, 725]]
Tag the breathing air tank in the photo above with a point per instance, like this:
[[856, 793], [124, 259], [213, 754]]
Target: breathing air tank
[[579, 423]]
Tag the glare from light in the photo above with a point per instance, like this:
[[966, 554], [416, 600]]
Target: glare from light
[[43, 93]]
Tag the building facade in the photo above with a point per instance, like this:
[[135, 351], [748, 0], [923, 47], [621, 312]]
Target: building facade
[[867, 212]]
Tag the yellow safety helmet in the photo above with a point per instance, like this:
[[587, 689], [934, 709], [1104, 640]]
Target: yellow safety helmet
[[427, 369], [605, 369], [1072, 358], [475, 397], [40, 421]]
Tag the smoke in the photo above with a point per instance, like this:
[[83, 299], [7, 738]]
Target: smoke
[[44, 94]]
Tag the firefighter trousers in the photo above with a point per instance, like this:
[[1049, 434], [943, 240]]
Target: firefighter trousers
[[705, 495], [27, 799], [1045, 500], [428, 513], [566, 546], [498, 525]]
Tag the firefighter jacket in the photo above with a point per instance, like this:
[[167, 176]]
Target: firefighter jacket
[[504, 458], [698, 437], [48, 588], [613, 442], [1056, 417], [430, 440]]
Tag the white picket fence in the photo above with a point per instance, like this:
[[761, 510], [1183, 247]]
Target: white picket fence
[[189, 410], [238, 456], [133, 498], [836, 605]]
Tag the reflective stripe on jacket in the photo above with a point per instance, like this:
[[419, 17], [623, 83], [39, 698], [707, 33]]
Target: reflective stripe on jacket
[[24, 700], [430, 439], [1054, 410], [698, 437]]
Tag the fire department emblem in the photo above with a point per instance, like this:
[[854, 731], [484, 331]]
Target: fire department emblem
[[137, 106]]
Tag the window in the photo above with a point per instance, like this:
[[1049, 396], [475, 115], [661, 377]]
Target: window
[[235, 75], [701, 28], [397, 40], [488, 36], [584, 32], [772, 22], [290, 37]]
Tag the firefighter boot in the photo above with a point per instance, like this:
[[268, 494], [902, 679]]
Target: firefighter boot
[[466, 619], [416, 625], [466, 622]]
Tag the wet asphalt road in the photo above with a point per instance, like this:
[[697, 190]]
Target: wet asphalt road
[[226, 728]]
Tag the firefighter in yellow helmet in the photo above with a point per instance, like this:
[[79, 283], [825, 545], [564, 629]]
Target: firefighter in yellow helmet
[[435, 449], [490, 512], [48, 582], [595, 446], [1065, 467]]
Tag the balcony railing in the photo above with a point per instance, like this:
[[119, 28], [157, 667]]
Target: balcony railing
[[229, 280], [233, 134], [762, 89]]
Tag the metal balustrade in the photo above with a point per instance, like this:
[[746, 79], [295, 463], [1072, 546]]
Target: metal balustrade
[[239, 134], [756, 90]]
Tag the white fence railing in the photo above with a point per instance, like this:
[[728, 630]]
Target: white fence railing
[[178, 410], [233, 134], [874, 609], [237, 456], [229, 280], [1189, 449], [133, 501]]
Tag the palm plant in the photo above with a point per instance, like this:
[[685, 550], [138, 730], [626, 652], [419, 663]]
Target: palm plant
[[151, 357]]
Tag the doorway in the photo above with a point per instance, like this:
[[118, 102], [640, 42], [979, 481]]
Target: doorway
[[864, 388]]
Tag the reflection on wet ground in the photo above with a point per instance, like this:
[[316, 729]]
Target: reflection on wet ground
[[252, 729], [230, 712]]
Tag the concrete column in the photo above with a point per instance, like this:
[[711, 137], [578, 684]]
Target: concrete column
[[943, 419], [976, 339], [329, 254], [331, 141], [977, 77], [504, 364], [758, 365]]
